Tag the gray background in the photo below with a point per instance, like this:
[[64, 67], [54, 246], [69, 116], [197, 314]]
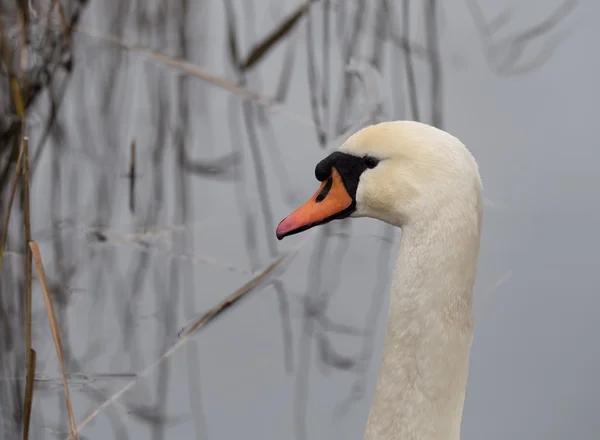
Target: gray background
[[302, 363]]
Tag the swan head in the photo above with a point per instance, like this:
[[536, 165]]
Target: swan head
[[399, 172]]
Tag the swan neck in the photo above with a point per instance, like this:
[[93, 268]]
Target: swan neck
[[421, 386]]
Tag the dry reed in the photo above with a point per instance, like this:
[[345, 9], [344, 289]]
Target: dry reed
[[37, 258]]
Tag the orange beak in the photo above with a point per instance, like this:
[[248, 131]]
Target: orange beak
[[330, 202]]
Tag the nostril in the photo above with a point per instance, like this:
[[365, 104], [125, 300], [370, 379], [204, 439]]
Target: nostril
[[324, 191]]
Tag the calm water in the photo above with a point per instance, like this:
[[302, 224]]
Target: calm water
[[298, 359]]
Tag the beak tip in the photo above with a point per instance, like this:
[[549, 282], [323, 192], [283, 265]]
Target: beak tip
[[281, 232]]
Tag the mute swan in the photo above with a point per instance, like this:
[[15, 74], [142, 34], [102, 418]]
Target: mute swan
[[425, 181]]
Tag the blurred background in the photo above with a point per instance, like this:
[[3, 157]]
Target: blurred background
[[168, 138]]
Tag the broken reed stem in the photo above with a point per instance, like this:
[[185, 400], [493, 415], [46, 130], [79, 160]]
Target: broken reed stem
[[31, 359], [13, 190], [19, 91], [232, 299], [28, 268], [29, 353], [37, 258]]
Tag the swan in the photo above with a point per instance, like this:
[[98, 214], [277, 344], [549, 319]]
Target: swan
[[426, 182]]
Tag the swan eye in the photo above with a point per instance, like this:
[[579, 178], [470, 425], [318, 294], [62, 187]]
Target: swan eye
[[370, 161]]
